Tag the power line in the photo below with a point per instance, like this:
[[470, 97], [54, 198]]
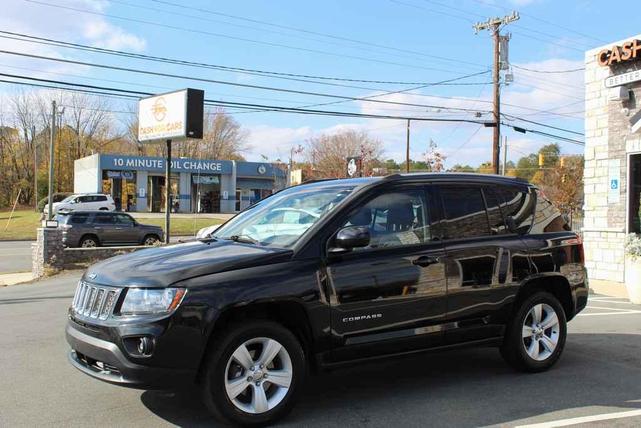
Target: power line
[[545, 134], [131, 94], [316, 33], [272, 74], [236, 84], [226, 36], [548, 71], [220, 103], [542, 124], [53, 42]]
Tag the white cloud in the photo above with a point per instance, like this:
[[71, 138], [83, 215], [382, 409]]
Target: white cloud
[[106, 35], [61, 24]]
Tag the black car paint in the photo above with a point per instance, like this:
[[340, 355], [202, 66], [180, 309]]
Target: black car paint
[[354, 305]]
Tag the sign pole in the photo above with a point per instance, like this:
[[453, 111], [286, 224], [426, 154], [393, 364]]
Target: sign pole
[[167, 191]]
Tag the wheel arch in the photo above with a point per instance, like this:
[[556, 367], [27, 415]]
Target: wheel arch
[[555, 284], [290, 314]]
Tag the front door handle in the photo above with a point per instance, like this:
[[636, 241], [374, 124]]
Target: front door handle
[[425, 261]]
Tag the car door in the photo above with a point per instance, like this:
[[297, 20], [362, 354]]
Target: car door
[[390, 296], [126, 231], [105, 227], [483, 264]]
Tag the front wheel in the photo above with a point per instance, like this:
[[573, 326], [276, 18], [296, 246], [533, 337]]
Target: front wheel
[[150, 240], [536, 335], [254, 374]]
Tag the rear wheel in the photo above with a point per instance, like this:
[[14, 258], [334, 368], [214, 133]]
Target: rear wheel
[[254, 374], [536, 335], [89, 241]]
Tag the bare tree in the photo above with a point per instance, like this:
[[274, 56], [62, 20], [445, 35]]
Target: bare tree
[[223, 138], [328, 153]]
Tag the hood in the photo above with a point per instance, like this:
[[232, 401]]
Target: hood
[[163, 266]]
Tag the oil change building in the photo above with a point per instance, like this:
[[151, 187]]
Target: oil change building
[[612, 177], [137, 183]]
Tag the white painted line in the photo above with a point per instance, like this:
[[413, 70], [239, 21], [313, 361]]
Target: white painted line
[[611, 302], [610, 309], [584, 419], [608, 313]]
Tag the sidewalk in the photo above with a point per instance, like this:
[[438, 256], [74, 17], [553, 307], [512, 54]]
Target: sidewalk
[[15, 278], [608, 288]]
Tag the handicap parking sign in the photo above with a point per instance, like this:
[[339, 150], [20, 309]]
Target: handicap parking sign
[[614, 184]]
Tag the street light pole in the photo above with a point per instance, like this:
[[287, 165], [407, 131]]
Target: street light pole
[[51, 159]]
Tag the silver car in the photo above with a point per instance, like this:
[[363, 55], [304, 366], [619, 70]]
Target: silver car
[[96, 228]]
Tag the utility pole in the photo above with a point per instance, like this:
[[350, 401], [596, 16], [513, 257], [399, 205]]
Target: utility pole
[[504, 155], [51, 150], [494, 26], [407, 148], [35, 167]]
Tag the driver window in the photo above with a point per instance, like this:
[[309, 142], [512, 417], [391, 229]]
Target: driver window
[[394, 219]]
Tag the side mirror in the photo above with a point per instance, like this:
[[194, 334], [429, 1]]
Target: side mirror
[[351, 237]]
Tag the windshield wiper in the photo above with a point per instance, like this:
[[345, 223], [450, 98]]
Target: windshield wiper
[[245, 239]]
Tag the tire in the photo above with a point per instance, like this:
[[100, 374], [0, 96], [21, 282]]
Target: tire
[[150, 240], [531, 343], [225, 373], [89, 241]]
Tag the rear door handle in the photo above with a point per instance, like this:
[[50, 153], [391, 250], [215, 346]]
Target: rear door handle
[[425, 261]]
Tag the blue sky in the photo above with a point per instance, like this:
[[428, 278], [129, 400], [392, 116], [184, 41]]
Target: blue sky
[[390, 40]]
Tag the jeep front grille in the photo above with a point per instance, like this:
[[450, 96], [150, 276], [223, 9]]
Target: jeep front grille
[[94, 301]]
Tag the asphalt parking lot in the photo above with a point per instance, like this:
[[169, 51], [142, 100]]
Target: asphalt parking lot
[[599, 376]]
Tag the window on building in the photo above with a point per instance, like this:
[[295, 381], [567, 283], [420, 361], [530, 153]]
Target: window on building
[[465, 214], [634, 213]]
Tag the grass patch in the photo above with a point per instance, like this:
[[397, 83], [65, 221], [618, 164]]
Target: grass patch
[[24, 223]]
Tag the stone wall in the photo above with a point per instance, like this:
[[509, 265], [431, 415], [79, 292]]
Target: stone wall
[[49, 255], [608, 141]]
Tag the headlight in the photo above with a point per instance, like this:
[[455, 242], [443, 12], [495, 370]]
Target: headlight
[[148, 301]]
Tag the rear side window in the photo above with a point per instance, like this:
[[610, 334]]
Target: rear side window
[[464, 211], [518, 204], [80, 218], [494, 212], [100, 198], [547, 218], [104, 218]]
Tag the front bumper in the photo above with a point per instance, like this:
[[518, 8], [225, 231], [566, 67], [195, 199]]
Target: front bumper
[[105, 361]]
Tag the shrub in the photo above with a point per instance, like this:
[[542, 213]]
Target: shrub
[[633, 246], [57, 197]]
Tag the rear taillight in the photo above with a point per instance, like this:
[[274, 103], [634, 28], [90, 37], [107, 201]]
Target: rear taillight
[[578, 242]]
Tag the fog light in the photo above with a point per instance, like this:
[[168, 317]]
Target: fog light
[[145, 346]]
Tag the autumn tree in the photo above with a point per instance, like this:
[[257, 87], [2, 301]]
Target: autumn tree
[[328, 153]]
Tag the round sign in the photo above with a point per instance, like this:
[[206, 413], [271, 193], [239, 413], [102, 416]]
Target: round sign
[[262, 170]]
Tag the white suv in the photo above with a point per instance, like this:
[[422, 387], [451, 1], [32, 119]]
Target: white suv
[[88, 201]]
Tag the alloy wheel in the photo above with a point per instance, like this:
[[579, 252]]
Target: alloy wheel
[[88, 243], [258, 375], [150, 241], [540, 332]]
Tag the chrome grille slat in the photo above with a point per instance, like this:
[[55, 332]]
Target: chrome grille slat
[[94, 301]]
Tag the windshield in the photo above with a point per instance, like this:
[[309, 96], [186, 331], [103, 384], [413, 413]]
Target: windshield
[[281, 219], [68, 199]]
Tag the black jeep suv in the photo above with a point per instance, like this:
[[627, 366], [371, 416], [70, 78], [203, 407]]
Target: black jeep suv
[[333, 272]]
